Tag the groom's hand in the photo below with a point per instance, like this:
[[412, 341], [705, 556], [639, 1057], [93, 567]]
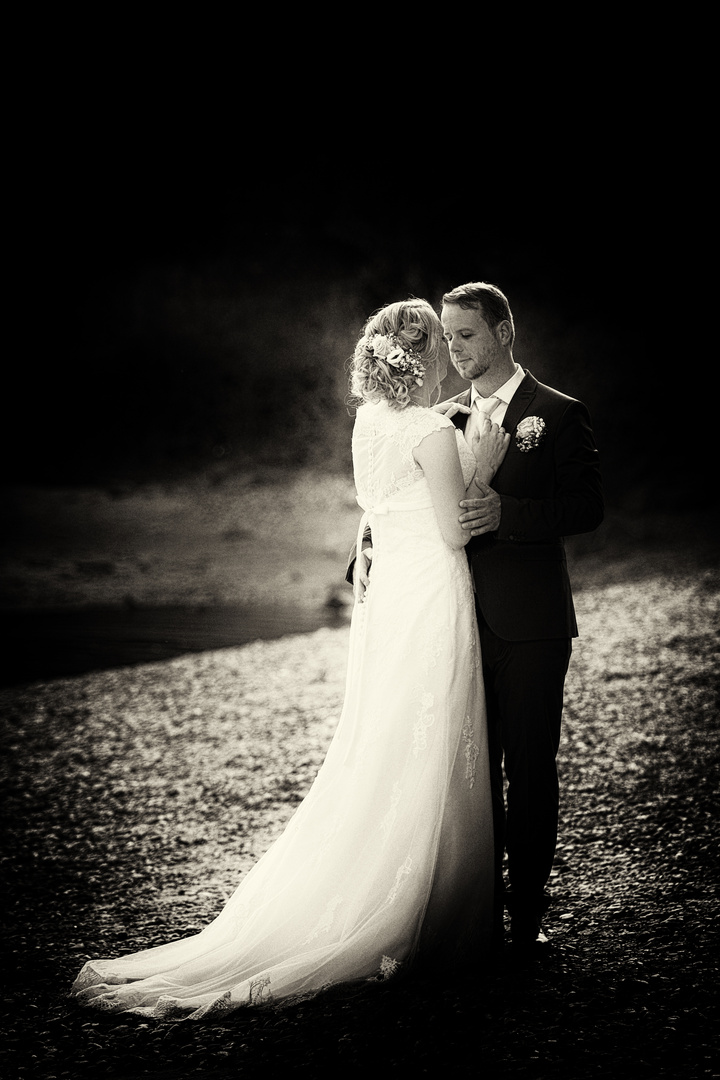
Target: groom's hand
[[481, 515]]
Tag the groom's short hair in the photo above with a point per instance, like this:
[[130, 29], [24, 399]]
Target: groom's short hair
[[487, 299]]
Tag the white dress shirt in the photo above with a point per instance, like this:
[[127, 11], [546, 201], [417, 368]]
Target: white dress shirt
[[504, 395]]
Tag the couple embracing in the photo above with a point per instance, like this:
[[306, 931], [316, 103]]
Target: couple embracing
[[459, 645], [537, 480]]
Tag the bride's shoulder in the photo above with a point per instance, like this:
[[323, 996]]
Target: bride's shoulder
[[425, 420], [411, 423], [414, 424]]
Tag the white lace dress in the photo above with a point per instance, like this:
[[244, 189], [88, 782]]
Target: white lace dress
[[388, 860]]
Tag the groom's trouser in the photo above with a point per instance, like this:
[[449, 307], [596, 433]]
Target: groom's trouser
[[524, 683]]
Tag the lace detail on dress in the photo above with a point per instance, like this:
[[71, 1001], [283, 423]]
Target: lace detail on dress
[[419, 424], [402, 873], [258, 992], [326, 920], [388, 968], [472, 750], [474, 640], [89, 977], [387, 822], [425, 720], [111, 1003], [383, 475], [223, 1005], [167, 1008], [430, 644], [462, 583]]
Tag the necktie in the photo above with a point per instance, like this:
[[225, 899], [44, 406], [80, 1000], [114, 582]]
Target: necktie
[[486, 405], [480, 406]]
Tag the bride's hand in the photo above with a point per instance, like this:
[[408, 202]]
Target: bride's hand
[[489, 445], [361, 573], [450, 408]]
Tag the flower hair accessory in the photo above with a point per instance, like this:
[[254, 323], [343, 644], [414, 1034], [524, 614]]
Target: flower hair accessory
[[387, 347], [530, 433]]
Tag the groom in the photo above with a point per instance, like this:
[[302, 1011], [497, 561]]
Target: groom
[[547, 487]]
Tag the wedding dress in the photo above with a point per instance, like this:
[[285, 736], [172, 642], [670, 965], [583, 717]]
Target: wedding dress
[[388, 860]]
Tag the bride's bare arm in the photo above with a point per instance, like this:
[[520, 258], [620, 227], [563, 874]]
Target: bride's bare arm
[[438, 458]]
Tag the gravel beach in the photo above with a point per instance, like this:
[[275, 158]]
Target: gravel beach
[[137, 797]]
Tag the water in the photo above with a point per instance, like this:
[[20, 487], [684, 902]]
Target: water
[[41, 645]]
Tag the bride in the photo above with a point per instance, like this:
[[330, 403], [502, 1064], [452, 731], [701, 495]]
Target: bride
[[388, 861]]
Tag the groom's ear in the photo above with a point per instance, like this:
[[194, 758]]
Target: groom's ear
[[503, 332]]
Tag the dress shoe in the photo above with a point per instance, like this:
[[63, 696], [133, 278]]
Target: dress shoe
[[529, 941]]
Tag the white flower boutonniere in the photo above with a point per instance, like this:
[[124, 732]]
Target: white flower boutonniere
[[530, 433]]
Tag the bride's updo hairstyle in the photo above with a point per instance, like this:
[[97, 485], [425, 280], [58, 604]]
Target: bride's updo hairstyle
[[398, 345]]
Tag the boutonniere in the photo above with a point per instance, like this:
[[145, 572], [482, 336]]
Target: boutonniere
[[530, 433]]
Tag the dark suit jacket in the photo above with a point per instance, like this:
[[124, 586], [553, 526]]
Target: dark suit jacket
[[550, 491]]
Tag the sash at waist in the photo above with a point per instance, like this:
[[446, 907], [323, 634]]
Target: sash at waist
[[388, 506]]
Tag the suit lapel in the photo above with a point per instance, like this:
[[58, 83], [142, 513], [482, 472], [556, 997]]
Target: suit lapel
[[520, 402], [460, 419], [518, 407]]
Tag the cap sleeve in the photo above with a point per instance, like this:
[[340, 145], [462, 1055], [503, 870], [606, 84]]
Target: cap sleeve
[[419, 424]]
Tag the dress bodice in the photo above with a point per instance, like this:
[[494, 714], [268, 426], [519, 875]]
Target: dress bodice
[[383, 462]]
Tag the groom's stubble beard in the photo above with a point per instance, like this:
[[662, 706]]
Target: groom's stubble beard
[[476, 367], [472, 369]]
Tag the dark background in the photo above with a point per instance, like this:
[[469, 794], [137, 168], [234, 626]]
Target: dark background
[[191, 278]]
